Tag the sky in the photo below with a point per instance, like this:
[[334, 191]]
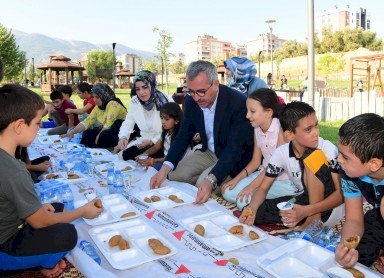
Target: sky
[[130, 22]]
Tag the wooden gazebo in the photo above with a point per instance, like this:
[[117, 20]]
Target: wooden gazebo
[[50, 76], [365, 68], [124, 78]]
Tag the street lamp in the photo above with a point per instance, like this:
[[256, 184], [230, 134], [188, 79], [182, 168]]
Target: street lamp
[[271, 23], [261, 51], [114, 64], [33, 72]]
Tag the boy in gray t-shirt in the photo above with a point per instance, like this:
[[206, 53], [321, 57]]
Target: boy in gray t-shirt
[[31, 234]]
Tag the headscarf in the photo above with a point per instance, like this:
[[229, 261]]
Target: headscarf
[[243, 71], [106, 94], [157, 98]]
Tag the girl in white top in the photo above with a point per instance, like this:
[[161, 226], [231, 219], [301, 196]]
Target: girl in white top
[[171, 116], [263, 108], [144, 111]]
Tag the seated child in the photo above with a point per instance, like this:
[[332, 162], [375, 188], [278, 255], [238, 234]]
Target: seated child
[[67, 91], [62, 120], [84, 92], [361, 157], [35, 167], [31, 234], [310, 162], [171, 117], [263, 110]]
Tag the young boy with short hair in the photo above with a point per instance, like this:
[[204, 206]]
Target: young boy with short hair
[[31, 234], [311, 165], [67, 91], [62, 120], [361, 155]]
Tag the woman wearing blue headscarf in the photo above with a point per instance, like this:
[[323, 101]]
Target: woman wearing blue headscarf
[[144, 111], [241, 75]]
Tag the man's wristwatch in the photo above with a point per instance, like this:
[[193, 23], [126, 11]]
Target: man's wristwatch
[[212, 181]]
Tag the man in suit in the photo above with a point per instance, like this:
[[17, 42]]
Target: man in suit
[[218, 113]]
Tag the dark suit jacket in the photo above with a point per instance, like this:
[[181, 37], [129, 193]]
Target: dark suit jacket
[[233, 134]]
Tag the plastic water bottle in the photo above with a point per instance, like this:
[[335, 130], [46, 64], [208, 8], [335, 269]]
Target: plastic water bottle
[[119, 182], [335, 240], [90, 250], [67, 198], [88, 162], [111, 180], [312, 231], [324, 237]]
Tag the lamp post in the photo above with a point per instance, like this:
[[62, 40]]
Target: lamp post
[[261, 51], [33, 72], [271, 23], [114, 65]]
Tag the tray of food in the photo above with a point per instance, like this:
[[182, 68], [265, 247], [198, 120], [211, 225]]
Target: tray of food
[[123, 166], [49, 139], [301, 258], [130, 243], [165, 197], [116, 208], [67, 178], [223, 231]]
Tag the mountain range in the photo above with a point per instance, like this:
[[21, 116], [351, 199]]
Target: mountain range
[[40, 47]]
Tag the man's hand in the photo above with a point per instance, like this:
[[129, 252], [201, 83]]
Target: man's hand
[[159, 177], [382, 207], [203, 192], [346, 257]]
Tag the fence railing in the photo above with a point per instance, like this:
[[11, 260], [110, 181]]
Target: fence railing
[[341, 108]]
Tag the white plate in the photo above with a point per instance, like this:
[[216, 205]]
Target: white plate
[[115, 206], [121, 165], [164, 193], [137, 233], [302, 258], [217, 225]]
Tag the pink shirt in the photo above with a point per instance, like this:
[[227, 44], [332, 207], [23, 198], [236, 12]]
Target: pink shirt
[[267, 142]]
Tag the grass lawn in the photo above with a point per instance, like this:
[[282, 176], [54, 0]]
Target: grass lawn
[[330, 130]]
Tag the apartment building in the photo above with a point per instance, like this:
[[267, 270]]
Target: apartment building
[[130, 62], [264, 42], [342, 17], [207, 47]]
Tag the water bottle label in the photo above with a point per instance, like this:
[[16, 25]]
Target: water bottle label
[[307, 237]]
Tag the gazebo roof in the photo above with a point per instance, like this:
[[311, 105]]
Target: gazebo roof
[[60, 62], [124, 72]]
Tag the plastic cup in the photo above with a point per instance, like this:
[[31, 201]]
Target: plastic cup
[[281, 207]]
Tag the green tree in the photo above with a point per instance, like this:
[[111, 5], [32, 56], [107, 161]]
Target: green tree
[[151, 66], [290, 49], [178, 67], [217, 61], [163, 45], [13, 58], [348, 40], [330, 64], [100, 65]]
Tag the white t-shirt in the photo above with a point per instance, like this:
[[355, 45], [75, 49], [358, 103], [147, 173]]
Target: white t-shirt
[[284, 159]]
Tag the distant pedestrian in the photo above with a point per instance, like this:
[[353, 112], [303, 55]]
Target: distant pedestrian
[[360, 86], [284, 83]]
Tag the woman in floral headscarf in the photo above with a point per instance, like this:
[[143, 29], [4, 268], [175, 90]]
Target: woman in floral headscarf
[[109, 113], [144, 111]]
